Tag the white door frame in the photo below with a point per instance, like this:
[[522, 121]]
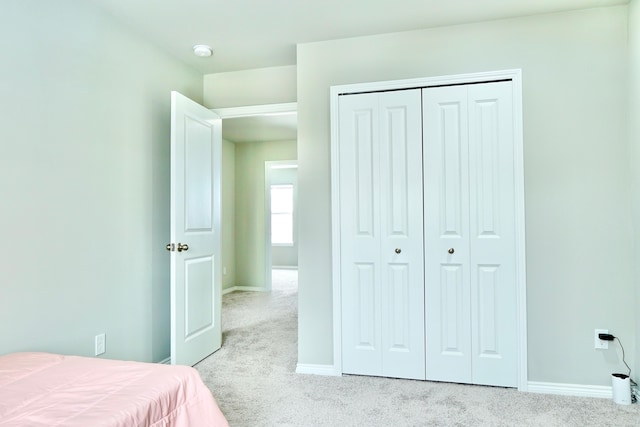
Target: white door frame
[[516, 77], [256, 111]]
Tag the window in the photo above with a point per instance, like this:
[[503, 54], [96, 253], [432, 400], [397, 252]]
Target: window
[[282, 214]]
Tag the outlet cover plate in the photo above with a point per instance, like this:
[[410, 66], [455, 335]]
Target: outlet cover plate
[[100, 344], [598, 343]]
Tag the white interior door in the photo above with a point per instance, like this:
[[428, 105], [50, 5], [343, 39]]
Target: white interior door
[[381, 234], [196, 148], [470, 280]]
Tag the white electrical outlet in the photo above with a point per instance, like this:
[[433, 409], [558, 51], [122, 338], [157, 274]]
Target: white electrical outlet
[[100, 344], [598, 343], [224, 271]]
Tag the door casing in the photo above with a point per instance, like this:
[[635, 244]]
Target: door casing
[[515, 76]]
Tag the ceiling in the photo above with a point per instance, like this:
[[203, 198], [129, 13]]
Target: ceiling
[[247, 34], [261, 128]]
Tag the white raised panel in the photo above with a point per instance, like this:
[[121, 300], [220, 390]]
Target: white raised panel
[[361, 340], [452, 318], [398, 300], [448, 332], [494, 360], [365, 307], [492, 189], [198, 174], [486, 179], [451, 140], [487, 320], [396, 120], [364, 167], [401, 168], [199, 296]]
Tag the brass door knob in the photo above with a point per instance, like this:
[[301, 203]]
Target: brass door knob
[[451, 250], [171, 247], [183, 247]]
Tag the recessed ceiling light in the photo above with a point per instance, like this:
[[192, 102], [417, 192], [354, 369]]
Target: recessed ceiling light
[[202, 50]]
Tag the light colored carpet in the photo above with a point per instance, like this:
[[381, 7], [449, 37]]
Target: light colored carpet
[[254, 381]]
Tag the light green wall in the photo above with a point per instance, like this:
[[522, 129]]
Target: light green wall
[[260, 86], [250, 209], [578, 224], [84, 179], [228, 214], [634, 140]]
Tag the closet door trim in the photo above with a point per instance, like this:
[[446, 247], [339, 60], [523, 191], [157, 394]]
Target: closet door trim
[[515, 76]]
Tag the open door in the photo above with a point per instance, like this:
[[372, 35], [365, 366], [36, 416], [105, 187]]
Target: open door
[[196, 149]]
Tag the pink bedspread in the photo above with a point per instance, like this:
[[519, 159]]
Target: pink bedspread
[[42, 389]]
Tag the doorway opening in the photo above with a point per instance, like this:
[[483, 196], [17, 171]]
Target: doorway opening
[[252, 136]]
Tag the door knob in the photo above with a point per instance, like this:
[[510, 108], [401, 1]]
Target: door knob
[[451, 250], [183, 247], [171, 247], [398, 250]]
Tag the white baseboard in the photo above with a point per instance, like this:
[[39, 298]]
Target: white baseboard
[[326, 370], [284, 267], [166, 361], [580, 390], [243, 289], [598, 391]]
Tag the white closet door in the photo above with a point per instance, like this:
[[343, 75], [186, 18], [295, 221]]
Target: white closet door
[[360, 234], [446, 208], [470, 279], [492, 234], [381, 234], [402, 237]]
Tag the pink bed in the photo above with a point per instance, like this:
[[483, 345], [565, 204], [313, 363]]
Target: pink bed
[[42, 389]]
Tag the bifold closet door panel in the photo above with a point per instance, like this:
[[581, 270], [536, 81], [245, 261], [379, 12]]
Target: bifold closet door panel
[[401, 245], [470, 284], [381, 234], [360, 234], [446, 226], [492, 234]]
